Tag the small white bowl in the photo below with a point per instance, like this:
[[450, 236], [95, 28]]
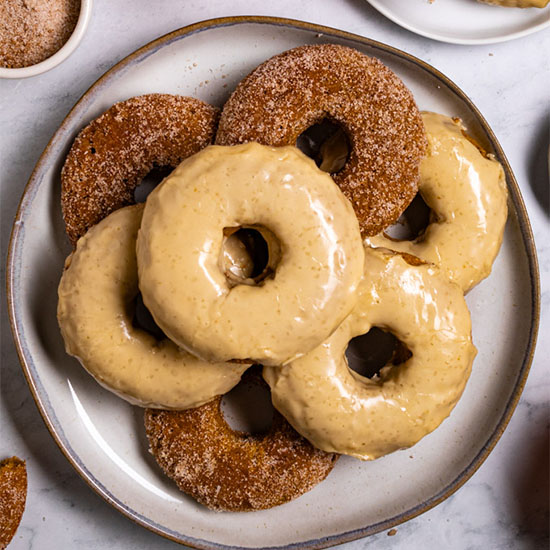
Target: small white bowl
[[63, 53]]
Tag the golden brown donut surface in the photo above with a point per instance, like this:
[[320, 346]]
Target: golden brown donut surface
[[298, 88], [13, 494], [111, 155], [229, 470]]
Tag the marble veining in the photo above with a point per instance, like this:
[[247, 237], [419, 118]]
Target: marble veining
[[505, 504]]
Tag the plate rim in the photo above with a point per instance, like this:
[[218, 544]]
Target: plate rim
[[514, 195], [379, 6]]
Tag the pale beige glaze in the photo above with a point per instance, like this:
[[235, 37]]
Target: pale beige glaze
[[180, 254], [237, 261], [517, 3], [95, 312], [341, 411], [467, 195]]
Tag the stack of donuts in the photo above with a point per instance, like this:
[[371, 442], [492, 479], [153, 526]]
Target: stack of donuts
[[252, 257]]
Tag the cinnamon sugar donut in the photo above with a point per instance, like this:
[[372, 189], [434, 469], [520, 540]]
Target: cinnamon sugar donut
[[301, 87], [224, 469], [116, 151], [13, 494]]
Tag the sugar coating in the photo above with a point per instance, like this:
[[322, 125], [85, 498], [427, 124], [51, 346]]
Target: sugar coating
[[229, 470], [33, 30], [13, 494], [292, 91], [111, 155]]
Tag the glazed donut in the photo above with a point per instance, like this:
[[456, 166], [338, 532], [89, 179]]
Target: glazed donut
[[340, 411], [309, 227], [229, 470], [13, 495], [95, 313], [466, 191], [296, 89], [111, 155]]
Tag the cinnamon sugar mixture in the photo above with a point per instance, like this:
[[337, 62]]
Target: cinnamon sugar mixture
[[13, 494], [33, 30]]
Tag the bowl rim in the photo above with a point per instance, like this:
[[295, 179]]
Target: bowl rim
[[515, 198], [60, 55]]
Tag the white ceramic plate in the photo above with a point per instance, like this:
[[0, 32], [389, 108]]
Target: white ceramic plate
[[103, 437], [463, 21]]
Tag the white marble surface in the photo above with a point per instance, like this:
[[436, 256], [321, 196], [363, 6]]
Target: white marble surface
[[505, 504]]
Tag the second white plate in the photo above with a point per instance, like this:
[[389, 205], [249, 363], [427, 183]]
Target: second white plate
[[463, 21]]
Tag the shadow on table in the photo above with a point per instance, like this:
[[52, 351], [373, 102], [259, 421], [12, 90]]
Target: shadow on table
[[539, 169], [530, 485]]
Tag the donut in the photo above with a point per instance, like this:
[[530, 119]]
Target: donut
[[314, 248], [229, 470], [517, 3], [341, 411], [466, 191], [299, 88], [111, 155], [13, 495], [95, 313]]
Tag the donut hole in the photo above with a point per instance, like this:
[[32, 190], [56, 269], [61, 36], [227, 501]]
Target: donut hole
[[150, 181], [413, 222], [327, 144], [250, 255], [247, 408], [369, 353], [143, 320]]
